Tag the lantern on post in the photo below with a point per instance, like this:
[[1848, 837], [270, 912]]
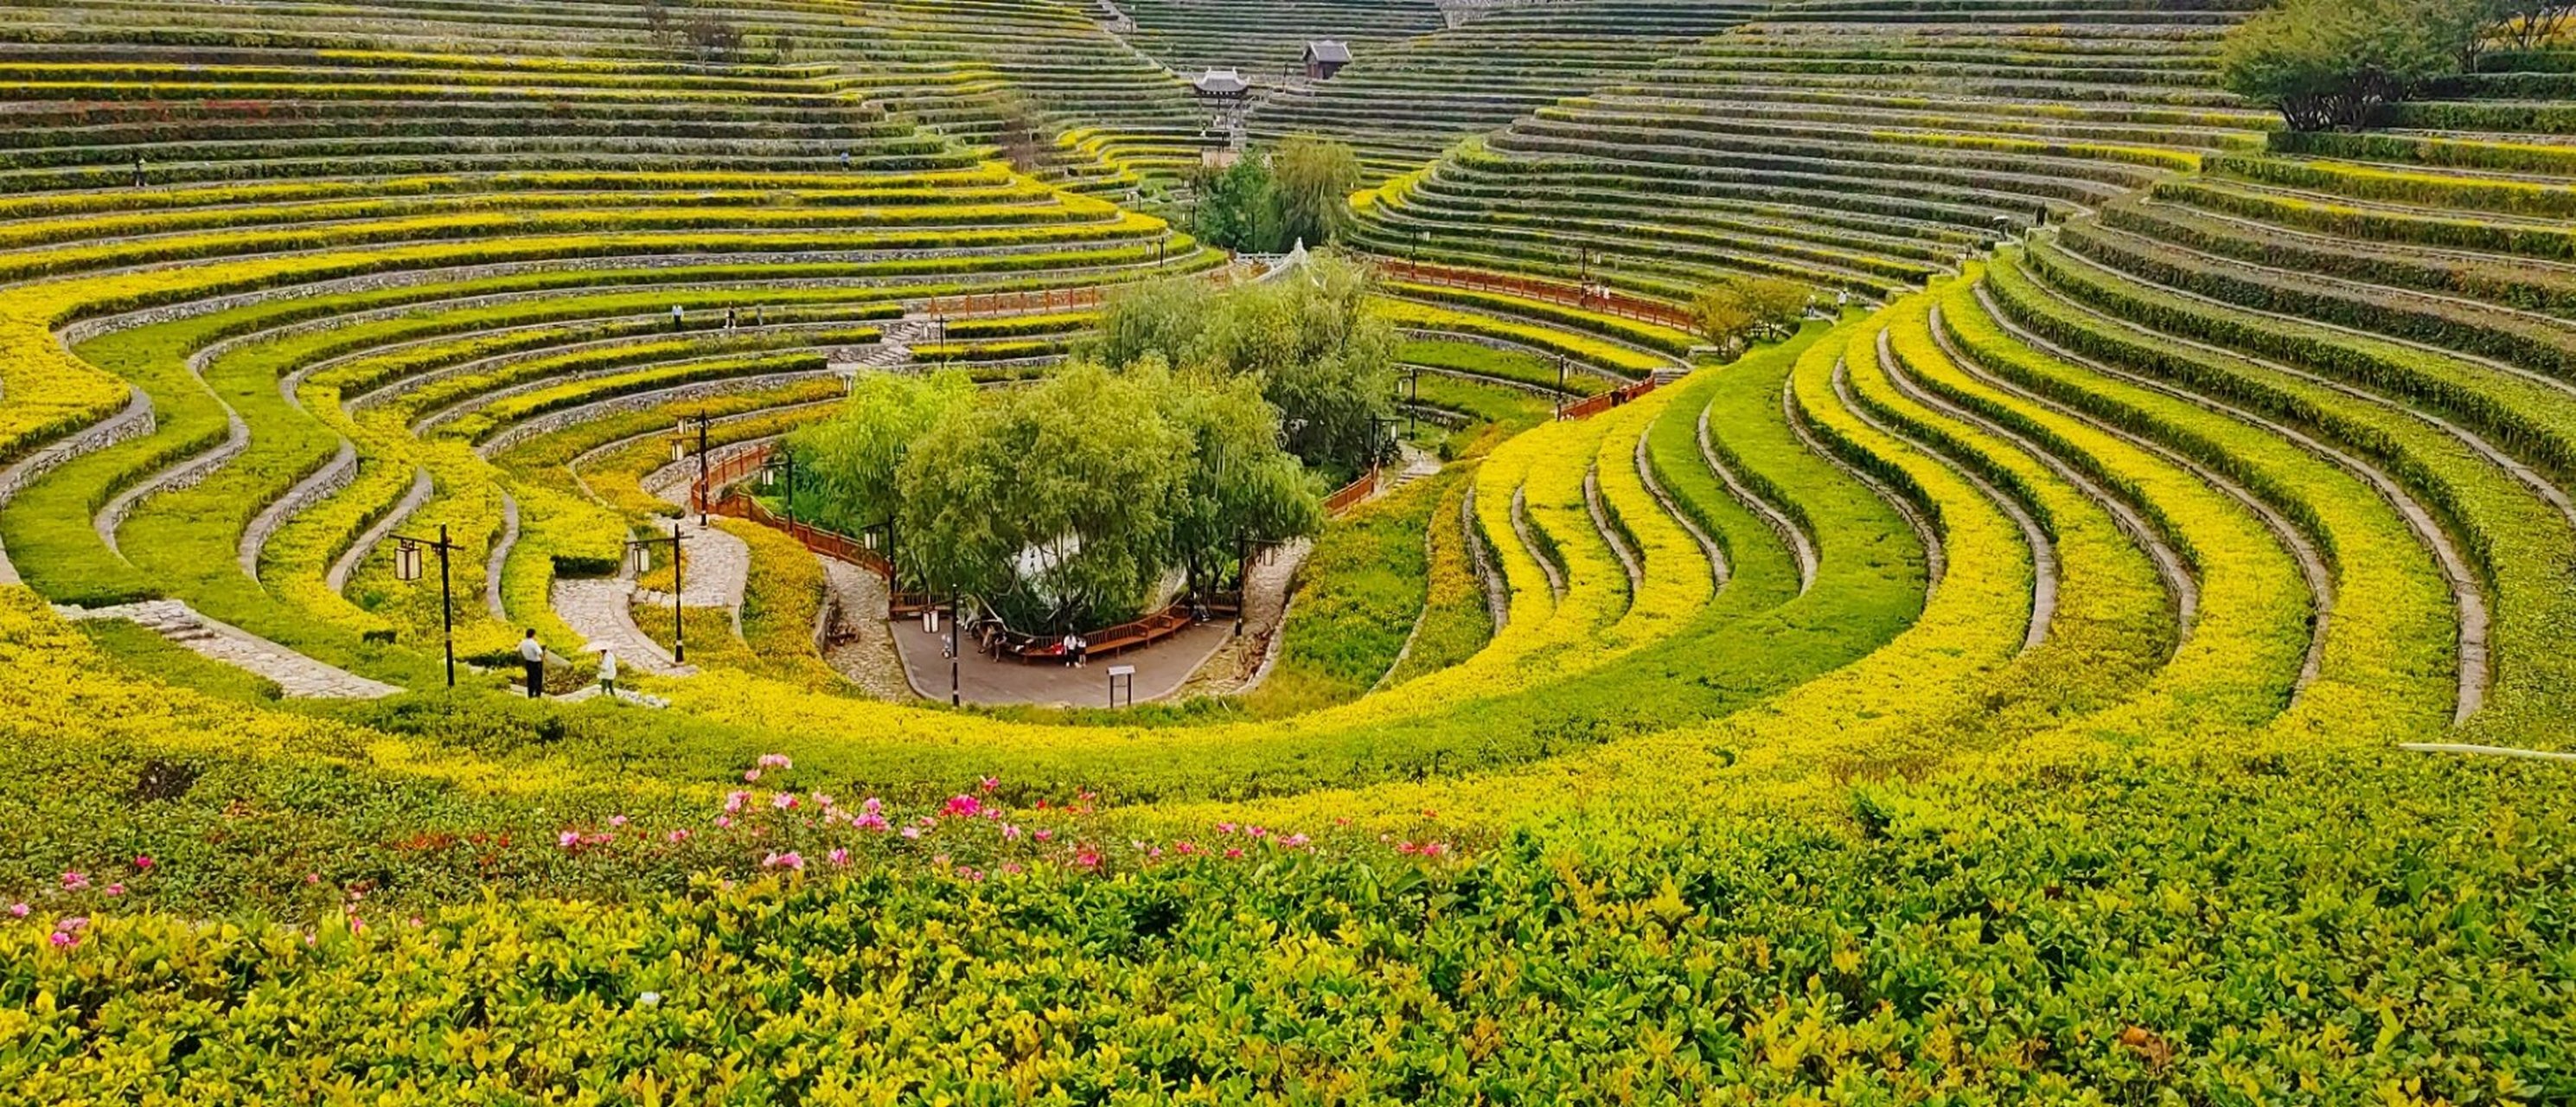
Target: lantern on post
[[407, 568]]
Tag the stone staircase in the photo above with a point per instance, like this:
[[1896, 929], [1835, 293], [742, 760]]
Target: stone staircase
[[297, 675], [893, 348]]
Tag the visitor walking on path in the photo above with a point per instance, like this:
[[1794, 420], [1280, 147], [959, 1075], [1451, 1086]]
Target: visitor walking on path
[[532, 656], [608, 674]]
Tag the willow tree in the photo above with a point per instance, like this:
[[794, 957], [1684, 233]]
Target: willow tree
[[845, 465]]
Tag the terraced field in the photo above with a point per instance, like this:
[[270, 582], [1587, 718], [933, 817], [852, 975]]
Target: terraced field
[[2113, 651]]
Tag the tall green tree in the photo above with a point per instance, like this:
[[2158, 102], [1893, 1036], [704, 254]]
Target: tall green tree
[[1311, 184], [1230, 206], [845, 465], [2342, 63]]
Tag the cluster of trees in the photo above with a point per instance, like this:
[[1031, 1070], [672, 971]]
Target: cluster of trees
[[1307, 339], [1268, 201], [1742, 310], [1192, 420], [1064, 505], [2343, 63]]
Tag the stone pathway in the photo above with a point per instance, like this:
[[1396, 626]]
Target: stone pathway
[[862, 642], [1239, 665], [300, 676], [600, 611], [715, 570]]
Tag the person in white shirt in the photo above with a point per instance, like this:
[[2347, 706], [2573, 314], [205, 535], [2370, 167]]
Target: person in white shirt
[[608, 674], [532, 656]]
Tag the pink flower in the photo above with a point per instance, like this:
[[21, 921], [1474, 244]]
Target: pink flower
[[1089, 859], [1010, 833], [735, 800], [783, 801], [1044, 835], [142, 861], [72, 924], [912, 832], [313, 878], [870, 821], [820, 800], [964, 807], [871, 805], [783, 861], [677, 836], [1257, 832], [1225, 828], [617, 820], [840, 856], [1011, 867], [115, 889], [18, 910], [74, 880], [568, 839], [989, 783], [775, 761], [1295, 841], [724, 822], [65, 941], [357, 925], [1234, 853], [749, 775]]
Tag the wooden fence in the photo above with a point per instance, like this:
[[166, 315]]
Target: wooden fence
[[1593, 405], [1595, 298]]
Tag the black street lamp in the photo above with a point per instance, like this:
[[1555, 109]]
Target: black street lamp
[[784, 463], [680, 452], [1413, 395], [639, 554], [953, 660], [1560, 386], [407, 568], [1379, 448]]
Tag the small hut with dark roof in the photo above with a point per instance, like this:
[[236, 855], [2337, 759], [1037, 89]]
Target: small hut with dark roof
[[1325, 57]]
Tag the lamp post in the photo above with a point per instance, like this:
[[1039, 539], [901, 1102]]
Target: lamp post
[[1560, 386], [784, 463], [953, 659], [639, 552], [407, 568], [1413, 395], [1379, 448], [680, 453]]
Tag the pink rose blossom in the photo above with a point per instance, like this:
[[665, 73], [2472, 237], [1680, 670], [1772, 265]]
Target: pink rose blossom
[[840, 856], [912, 832], [749, 775], [568, 839], [775, 761], [724, 822], [1089, 859], [964, 807], [871, 805], [990, 783], [142, 861], [617, 820], [677, 836], [75, 880], [735, 800], [1044, 835], [784, 801], [869, 821], [1225, 828], [115, 889], [1234, 853], [71, 924], [1010, 833], [18, 910], [783, 861], [65, 941]]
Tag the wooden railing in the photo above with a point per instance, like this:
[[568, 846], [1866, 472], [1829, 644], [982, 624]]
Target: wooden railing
[[1595, 298], [1350, 495], [1596, 404], [1042, 301]]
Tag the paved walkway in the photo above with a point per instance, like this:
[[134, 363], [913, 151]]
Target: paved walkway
[[600, 611], [1160, 669], [299, 676], [717, 569], [1240, 664], [862, 644]]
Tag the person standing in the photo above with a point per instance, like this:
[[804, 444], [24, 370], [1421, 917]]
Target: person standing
[[532, 657], [731, 320], [608, 674], [1066, 647], [845, 159], [676, 325], [138, 170]]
